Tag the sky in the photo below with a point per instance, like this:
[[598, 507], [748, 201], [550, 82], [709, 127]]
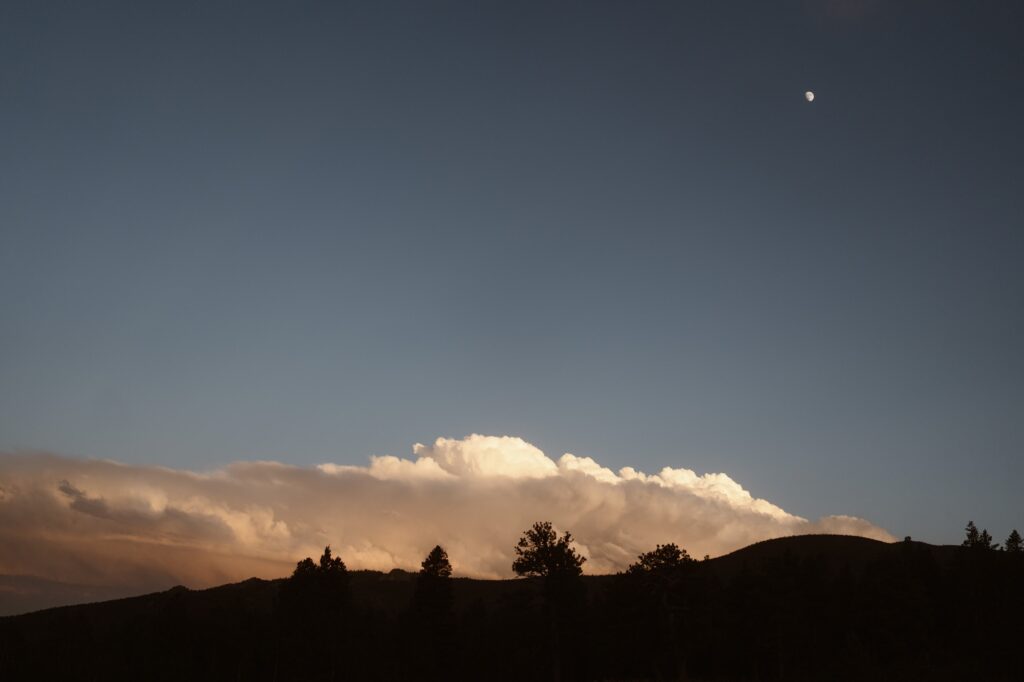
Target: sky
[[311, 233]]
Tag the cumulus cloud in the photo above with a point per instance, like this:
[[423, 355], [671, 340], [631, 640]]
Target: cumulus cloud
[[100, 522]]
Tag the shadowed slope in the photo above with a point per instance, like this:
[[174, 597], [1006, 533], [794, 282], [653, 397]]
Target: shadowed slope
[[805, 607]]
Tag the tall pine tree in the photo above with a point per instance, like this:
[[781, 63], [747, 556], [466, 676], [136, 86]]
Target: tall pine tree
[[972, 535]]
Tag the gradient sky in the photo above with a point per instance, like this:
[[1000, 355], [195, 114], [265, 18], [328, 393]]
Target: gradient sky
[[313, 232]]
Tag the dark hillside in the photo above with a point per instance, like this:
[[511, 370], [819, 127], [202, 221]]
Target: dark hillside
[[802, 608], [833, 552]]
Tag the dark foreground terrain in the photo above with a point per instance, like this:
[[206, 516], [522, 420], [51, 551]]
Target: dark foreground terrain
[[801, 608]]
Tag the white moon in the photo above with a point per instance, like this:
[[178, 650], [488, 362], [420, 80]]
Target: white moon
[[809, 95]]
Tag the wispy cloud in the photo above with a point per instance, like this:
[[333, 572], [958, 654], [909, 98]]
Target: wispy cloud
[[101, 522]]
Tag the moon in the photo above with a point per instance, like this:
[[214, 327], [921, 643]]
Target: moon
[[809, 96]]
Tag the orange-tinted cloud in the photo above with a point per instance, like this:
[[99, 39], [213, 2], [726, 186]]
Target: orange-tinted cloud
[[97, 522]]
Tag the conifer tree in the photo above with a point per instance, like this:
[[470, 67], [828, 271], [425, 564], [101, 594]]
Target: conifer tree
[[985, 541], [662, 558], [540, 552], [972, 535], [436, 564]]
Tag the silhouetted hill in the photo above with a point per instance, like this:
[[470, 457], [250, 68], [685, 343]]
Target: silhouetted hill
[[832, 551], [836, 547], [807, 607], [23, 594]]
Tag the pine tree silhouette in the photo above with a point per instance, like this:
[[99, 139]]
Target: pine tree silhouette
[[972, 535]]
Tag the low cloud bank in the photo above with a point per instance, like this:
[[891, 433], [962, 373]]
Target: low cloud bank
[[96, 522]]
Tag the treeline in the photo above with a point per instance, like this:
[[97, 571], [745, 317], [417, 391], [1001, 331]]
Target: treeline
[[981, 540], [807, 608]]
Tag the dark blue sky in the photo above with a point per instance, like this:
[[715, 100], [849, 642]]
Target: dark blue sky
[[318, 231]]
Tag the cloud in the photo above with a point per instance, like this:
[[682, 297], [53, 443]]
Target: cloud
[[477, 456], [97, 522]]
